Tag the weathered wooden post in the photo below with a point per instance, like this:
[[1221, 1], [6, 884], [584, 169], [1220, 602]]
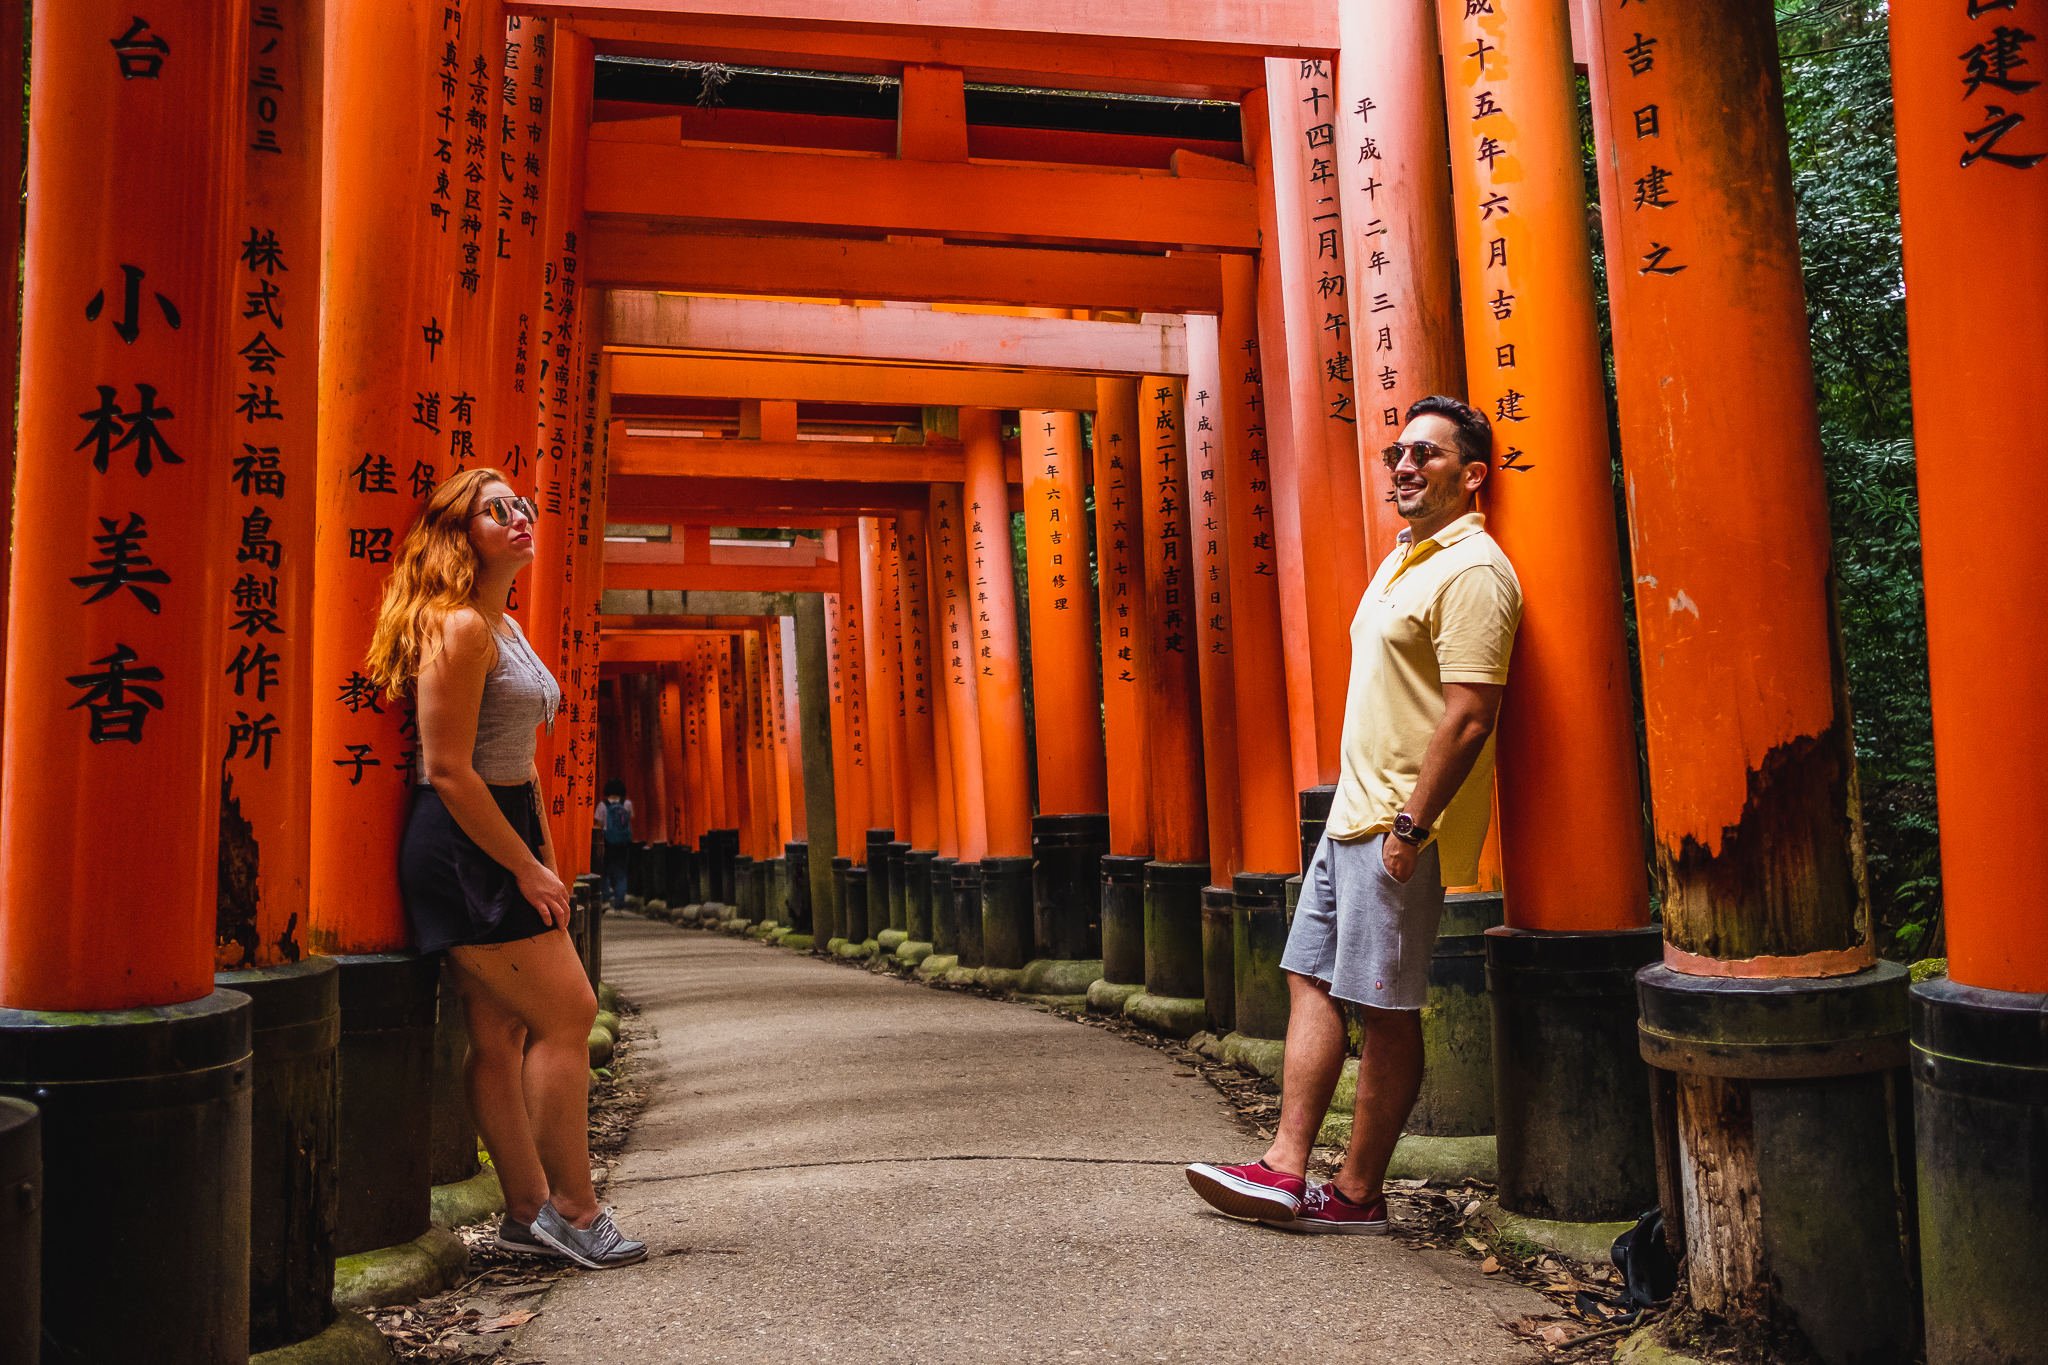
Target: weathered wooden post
[[1973, 169], [1780, 1041]]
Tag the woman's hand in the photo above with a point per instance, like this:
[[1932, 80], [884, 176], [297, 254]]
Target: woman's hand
[[545, 892]]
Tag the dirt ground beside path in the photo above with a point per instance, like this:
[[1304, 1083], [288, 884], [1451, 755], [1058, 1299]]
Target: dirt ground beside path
[[839, 1166]]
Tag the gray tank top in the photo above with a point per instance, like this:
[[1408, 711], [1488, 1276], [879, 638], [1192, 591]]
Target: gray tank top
[[519, 695]]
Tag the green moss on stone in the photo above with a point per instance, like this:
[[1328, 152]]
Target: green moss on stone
[[1109, 997], [1175, 1016], [349, 1340], [467, 1201], [1059, 976], [434, 1261]]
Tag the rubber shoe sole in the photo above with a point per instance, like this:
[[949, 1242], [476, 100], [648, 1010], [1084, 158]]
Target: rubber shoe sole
[[1228, 1194], [1328, 1227], [534, 1248]]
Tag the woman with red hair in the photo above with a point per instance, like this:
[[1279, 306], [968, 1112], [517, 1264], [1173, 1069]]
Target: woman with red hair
[[477, 868]]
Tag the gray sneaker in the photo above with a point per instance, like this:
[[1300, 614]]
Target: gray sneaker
[[600, 1246], [517, 1238]]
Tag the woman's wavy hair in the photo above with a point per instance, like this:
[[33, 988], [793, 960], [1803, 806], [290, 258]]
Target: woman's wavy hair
[[434, 574]]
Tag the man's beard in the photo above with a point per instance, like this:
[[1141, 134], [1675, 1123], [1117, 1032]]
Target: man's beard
[[1430, 501]]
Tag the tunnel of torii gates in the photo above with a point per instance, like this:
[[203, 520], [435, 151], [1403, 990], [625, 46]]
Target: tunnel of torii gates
[[284, 268]]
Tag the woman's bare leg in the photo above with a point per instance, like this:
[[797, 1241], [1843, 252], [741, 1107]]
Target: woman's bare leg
[[492, 1074], [540, 982]]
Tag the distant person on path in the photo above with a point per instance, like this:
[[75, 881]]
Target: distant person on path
[[477, 868], [1429, 662], [615, 818]]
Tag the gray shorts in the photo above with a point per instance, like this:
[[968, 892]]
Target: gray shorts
[[1370, 937]]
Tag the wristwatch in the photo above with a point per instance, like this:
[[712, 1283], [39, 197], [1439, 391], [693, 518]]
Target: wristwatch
[[1408, 832]]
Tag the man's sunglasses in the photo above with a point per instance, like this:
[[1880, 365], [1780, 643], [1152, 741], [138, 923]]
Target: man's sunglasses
[[1423, 451], [502, 510]]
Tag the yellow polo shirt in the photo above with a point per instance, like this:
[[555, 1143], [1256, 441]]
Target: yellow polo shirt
[[1441, 611]]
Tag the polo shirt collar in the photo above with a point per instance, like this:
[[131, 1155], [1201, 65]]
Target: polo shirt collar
[[1471, 524]]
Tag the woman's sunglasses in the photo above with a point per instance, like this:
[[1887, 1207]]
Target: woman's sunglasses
[[502, 510]]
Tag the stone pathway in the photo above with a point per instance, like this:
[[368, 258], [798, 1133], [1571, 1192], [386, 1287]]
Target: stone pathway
[[835, 1165]]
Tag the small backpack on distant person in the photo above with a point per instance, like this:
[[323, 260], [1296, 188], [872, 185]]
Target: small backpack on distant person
[[618, 825]]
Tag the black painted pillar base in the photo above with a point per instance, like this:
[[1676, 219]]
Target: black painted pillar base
[[1066, 882], [21, 1229], [1123, 918], [145, 1150], [1457, 1066], [1315, 814], [1173, 929], [1571, 1095], [917, 893], [1219, 964], [839, 914], [728, 864], [1817, 1067], [742, 901], [945, 921], [1258, 934], [967, 912], [708, 889], [754, 891], [452, 1155], [873, 914], [296, 1018], [1005, 912], [899, 886], [856, 882], [1980, 1100], [592, 889], [387, 1081], [656, 863], [796, 856]]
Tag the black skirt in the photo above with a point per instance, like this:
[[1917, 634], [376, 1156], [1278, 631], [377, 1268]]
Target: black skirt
[[455, 893]]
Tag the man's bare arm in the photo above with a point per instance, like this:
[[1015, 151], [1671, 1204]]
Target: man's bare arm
[[1470, 711]]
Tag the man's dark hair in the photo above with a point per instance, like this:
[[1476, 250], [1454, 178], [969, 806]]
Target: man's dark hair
[[614, 788], [1475, 433]]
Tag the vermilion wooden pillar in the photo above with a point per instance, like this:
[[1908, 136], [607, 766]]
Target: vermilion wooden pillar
[[10, 299], [1173, 704], [513, 238], [559, 319], [268, 687], [120, 574], [718, 802], [1566, 738], [675, 767], [953, 624], [896, 654], [111, 793], [1960, 165], [879, 672], [1126, 638], [1400, 259], [389, 365], [1751, 761], [654, 755], [690, 678], [850, 655], [1214, 640], [1067, 700], [789, 773], [1270, 830], [919, 681], [1306, 273], [1973, 168], [999, 679]]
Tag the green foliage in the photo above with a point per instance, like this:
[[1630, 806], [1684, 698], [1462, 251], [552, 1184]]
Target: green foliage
[[1838, 113]]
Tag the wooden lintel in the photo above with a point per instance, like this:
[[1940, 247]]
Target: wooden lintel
[[634, 498], [706, 458], [679, 376], [719, 578], [610, 624], [1065, 205], [1176, 69], [638, 318], [629, 255]]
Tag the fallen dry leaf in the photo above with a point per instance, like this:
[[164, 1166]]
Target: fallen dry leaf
[[1488, 1266], [1555, 1336], [509, 1320], [1471, 1209]]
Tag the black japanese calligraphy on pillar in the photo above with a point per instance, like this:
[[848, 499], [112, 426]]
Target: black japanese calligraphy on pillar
[[1315, 90], [1207, 502]]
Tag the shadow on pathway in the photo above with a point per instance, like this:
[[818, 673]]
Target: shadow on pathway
[[835, 1165]]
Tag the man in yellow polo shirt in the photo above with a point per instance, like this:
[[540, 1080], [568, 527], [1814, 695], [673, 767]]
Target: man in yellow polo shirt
[[1429, 661]]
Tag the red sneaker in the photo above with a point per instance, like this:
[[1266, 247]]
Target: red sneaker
[[1256, 1191], [1325, 1210]]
